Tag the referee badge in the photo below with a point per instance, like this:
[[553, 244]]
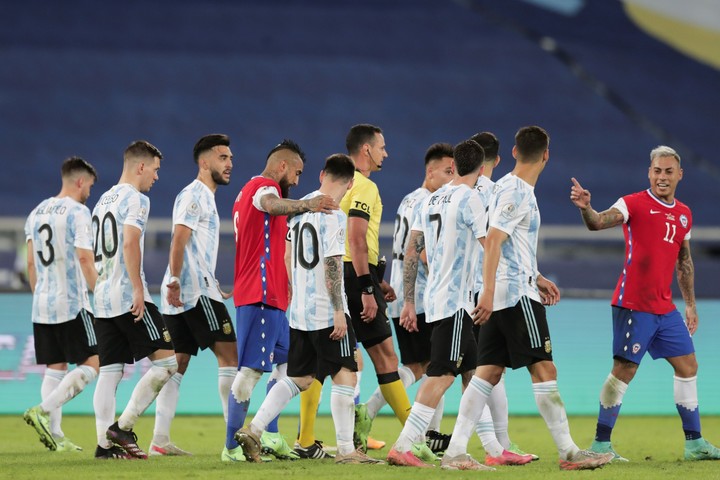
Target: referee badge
[[459, 362], [166, 336], [548, 346], [226, 328]]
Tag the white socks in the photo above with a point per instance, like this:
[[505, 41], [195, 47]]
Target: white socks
[[51, 380], [244, 383], [498, 404], [104, 400], [342, 407], [147, 389], [415, 427], [612, 392], [165, 409], [486, 431], [277, 398], [226, 375], [472, 404], [685, 392], [437, 417], [552, 409]]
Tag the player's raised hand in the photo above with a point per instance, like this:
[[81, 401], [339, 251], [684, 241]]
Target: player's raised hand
[[578, 195], [322, 203]]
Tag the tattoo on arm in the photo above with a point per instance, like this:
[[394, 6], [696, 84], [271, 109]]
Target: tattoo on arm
[[283, 206], [333, 281], [686, 274], [410, 264], [600, 221]]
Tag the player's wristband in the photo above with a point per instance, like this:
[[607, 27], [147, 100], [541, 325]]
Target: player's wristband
[[365, 281], [174, 279]]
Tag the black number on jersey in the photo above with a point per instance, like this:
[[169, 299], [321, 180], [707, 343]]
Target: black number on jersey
[[401, 224], [299, 253], [435, 217], [50, 250], [108, 246]]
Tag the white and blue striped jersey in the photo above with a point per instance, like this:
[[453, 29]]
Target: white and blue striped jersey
[[195, 208], [514, 210], [122, 205], [407, 211], [313, 238], [485, 187], [452, 220], [57, 227]]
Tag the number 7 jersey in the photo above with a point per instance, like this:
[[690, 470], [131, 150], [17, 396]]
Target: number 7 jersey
[[654, 232], [121, 205]]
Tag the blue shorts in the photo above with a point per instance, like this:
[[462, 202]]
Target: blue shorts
[[263, 336], [662, 336]]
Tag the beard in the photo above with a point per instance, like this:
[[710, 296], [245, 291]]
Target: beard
[[284, 188], [218, 178]]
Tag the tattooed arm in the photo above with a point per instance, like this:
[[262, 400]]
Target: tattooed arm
[[686, 281], [275, 205], [416, 246], [592, 219], [334, 284]]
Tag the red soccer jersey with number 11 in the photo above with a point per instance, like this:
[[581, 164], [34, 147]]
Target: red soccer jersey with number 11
[[654, 232]]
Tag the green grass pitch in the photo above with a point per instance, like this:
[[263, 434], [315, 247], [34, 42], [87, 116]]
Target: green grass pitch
[[653, 444]]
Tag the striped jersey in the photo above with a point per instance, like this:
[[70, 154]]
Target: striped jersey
[[514, 210], [314, 237], [484, 186], [122, 205], [452, 220], [195, 208], [408, 209], [57, 227]]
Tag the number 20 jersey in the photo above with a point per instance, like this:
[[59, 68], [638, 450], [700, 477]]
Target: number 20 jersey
[[57, 227], [121, 205], [654, 232]]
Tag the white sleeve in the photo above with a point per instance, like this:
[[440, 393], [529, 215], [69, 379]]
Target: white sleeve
[[261, 192], [622, 206]]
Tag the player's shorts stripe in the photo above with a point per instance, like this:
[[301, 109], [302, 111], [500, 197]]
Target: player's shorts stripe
[[530, 322], [345, 346], [457, 333], [209, 313], [150, 326], [89, 329]]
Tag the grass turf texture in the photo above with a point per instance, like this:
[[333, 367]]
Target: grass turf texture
[[653, 444]]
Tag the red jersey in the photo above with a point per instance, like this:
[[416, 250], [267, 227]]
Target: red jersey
[[260, 274], [654, 232]]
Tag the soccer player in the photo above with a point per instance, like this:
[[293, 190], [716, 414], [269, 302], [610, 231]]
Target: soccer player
[[129, 326], [366, 292], [261, 281], [449, 228], [514, 329], [657, 230], [415, 346], [191, 299], [58, 233], [492, 428], [321, 341]]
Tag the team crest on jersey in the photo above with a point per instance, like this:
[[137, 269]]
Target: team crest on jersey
[[683, 220], [166, 336], [226, 328], [142, 214], [355, 355], [508, 211], [193, 209], [341, 235], [459, 362], [636, 348], [548, 346]]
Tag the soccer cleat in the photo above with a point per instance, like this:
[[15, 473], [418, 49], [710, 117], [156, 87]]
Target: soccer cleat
[[314, 451], [170, 450], [373, 444], [250, 444], [462, 462], [66, 445], [274, 444], [40, 421], [438, 442], [112, 453], [701, 449], [507, 458], [234, 455], [363, 424], [127, 440], [514, 448], [423, 452], [606, 447], [405, 459], [585, 460], [357, 457]]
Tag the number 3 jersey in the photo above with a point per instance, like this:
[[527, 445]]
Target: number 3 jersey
[[121, 205], [314, 237], [57, 227], [654, 232]]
